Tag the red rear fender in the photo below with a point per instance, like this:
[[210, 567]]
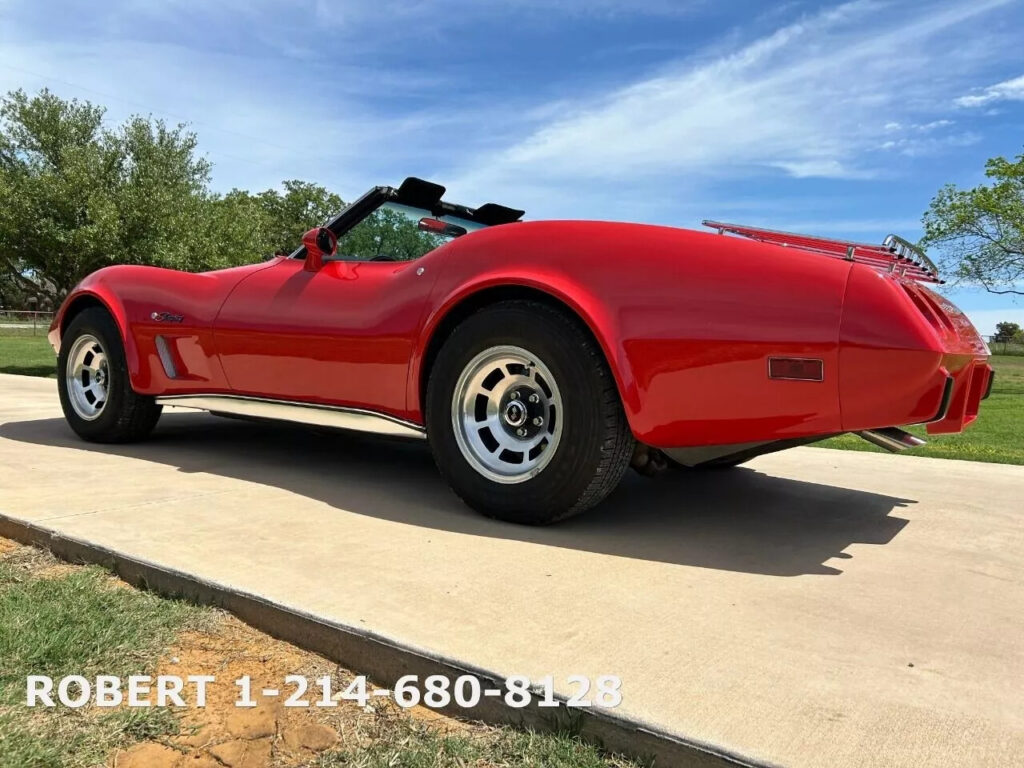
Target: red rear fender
[[687, 321], [908, 356]]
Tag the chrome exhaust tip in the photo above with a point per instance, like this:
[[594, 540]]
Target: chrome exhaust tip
[[891, 438]]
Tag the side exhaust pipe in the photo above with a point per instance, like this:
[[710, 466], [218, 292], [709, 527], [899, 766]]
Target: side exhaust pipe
[[891, 438]]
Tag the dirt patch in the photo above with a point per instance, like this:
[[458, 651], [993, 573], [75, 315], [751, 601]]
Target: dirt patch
[[39, 563], [56, 571], [269, 734], [209, 643], [32, 560]]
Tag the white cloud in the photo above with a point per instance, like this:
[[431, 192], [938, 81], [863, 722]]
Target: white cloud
[[251, 121], [915, 146], [925, 128], [453, 12], [816, 98], [840, 94], [1008, 90]]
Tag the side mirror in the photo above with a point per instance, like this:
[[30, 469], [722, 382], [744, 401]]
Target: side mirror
[[320, 243]]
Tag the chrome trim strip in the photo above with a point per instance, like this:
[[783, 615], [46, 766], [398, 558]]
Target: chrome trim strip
[[340, 417]]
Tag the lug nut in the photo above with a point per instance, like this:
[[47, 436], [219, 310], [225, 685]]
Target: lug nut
[[538, 421], [514, 396], [521, 432], [534, 398]]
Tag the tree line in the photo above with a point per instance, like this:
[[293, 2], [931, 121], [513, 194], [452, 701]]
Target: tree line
[[77, 195]]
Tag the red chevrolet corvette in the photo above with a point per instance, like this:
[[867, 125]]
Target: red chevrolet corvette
[[539, 359]]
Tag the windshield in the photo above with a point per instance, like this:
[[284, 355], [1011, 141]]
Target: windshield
[[393, 233]]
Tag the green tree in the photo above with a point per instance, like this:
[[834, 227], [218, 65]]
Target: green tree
[[980, 231], [76, 195], [301, 207], [387, 233], [12, 293], [227, 231], [1007, 332]]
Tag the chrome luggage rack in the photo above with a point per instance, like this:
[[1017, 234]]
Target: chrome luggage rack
[[895, 255]]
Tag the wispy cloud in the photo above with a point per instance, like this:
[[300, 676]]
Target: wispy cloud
[[460, 12], [1008, 90], [252, 121], [825, 96], [921, 146], [367, 91]]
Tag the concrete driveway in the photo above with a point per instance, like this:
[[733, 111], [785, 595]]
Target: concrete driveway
[[816, 608]]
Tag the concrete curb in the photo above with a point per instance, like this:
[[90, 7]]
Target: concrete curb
[[383, 659]]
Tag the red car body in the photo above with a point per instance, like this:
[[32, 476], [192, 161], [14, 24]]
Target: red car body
[[769, 339]]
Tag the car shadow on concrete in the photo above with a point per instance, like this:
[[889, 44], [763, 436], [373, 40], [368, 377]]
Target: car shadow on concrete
[[736, 520]]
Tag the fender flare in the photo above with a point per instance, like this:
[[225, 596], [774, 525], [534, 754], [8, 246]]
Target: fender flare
[[97, 294], [570, 297]]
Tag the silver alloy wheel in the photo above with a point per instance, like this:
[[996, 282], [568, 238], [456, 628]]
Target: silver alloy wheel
[[507, 414], [87, 377]]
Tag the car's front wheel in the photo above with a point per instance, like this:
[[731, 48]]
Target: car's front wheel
[[92, 378], [523, 415]]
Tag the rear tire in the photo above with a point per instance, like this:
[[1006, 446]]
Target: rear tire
[[523, 416], [92, 378]]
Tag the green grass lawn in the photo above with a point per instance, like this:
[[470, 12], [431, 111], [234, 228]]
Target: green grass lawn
[[58, 619], [76, 621], [995, 436], [26, 355], [1009, 374]]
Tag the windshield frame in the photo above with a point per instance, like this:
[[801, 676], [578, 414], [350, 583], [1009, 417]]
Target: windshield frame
[[418, 194]]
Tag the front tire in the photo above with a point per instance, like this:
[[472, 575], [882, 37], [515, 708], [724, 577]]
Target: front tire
[[92, 378], [523, 416]]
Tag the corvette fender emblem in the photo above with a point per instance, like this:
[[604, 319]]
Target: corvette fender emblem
[[166, 317]]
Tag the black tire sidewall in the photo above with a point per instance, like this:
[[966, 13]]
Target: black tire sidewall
[[96, 322], [569, 354]]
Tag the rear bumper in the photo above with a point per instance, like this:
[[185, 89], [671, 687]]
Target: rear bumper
[[971, 383]]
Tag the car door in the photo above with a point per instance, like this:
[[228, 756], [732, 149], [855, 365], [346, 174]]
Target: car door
[[342, 335]]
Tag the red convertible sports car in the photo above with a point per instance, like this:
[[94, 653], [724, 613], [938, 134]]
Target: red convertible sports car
[[539, 359]]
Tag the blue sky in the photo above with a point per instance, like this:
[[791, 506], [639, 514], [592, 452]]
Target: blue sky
[[840, 119]]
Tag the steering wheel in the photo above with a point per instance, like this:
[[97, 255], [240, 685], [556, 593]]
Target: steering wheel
[[384, 257]]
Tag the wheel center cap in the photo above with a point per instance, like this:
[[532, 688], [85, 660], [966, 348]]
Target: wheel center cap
[[515, 413]]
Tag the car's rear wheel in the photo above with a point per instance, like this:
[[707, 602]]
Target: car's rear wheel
[[523, 415], [92, 379]]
